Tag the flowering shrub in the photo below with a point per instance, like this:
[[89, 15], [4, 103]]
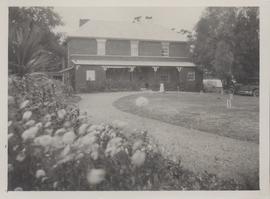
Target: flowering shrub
[[52, 147]]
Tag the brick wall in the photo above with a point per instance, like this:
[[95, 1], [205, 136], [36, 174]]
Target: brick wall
[[178, 50], [82, 46], [118, 47], [122, 47], [186, 85], [80, 77], [149, 48]]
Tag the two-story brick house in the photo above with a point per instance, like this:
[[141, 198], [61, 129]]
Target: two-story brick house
[[106, 54]]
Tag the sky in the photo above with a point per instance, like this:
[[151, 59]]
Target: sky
[[171, 17]]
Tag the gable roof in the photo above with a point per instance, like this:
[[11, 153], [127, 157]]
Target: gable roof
[[127, 30]]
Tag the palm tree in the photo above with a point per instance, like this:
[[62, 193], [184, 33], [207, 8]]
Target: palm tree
[[26, 54]]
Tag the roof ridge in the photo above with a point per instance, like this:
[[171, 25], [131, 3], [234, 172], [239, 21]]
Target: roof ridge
[[125, 29], [124, 21]]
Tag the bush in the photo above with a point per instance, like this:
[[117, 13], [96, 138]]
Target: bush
[[52, 147]]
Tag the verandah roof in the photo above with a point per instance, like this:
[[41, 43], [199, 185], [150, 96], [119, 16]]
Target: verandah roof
[[133, 63]]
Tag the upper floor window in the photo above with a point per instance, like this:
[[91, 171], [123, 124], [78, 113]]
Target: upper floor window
[[165, 49], [134, 47]]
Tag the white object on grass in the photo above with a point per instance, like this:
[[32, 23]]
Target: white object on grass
[[161, 88], [141, 101], [229, 101]]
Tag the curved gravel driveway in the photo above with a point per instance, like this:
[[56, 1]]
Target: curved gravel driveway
[[199, 151]]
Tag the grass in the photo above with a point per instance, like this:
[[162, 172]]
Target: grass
[[205, 112]]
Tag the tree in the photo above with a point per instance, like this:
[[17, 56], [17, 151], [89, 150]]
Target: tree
[[223, 61], [32, 44], [226, 42], [247, 44]]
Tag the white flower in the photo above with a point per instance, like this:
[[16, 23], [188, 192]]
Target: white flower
[[30, 133], [47, 124], [114, 146], [10, 135], [60, 132], [141, 101], [30, 123], [61, 114], [79, 156], [88, 139], [83, 128], [65, 151], [43, 179], [24, 104], [57, 142], [138, 158], [67, 124], [44, 140], [82, 118], [92, 128], [67, 158], [119, 124], [40, 173], [47, 118], [137, 145], [27, 115], [18, 189], [9, 123], [55, 184], [69, 137], [21, 156], [94, 155], [10, 168], [86, 143], [95, 176], [112, 133], [48, 131], [39, 125], [11, 100]]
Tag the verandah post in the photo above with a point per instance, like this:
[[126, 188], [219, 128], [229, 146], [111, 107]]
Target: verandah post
[[179, 68], [131, 70]]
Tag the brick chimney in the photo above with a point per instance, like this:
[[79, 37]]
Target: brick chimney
[[83, 21]]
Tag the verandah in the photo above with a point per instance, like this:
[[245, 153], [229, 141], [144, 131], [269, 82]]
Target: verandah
[[142, 76]]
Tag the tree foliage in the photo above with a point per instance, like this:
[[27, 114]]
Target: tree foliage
[[33, 46], [226, 42]]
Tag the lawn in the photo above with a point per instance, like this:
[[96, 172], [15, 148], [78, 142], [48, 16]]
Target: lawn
[[205, 112]]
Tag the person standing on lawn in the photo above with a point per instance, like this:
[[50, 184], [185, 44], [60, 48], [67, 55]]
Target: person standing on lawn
[[230, 97]]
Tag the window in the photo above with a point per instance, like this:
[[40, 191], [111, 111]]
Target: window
[[90, 75], [165, 49], [164, 78], [134, 49], [191, 76], [165, 52]]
